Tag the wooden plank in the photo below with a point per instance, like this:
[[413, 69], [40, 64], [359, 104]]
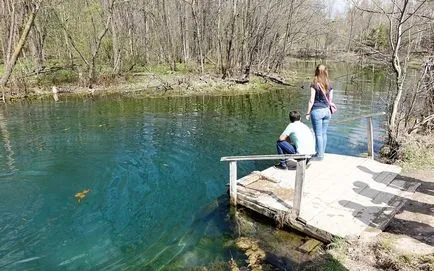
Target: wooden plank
[[395, 188], [370, 131], [233, 182], [256, 176], [269, 178], [385, 204], [267, 200], [309, 245], [337, 221], [266, 157], [247, 191], [310, 230], [381, 221], [332, 186], [291, 221], [286, 177], [362, 208], [256, 206], [249, 179], [299, 180], [327, 215]]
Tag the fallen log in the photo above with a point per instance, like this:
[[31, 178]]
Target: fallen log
[[274, 79], [239, 80], [47, 71]]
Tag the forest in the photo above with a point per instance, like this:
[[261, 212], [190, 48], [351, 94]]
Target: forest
[[46, 42]]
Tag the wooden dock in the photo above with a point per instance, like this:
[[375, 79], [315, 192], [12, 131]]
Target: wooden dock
[[341, 196]]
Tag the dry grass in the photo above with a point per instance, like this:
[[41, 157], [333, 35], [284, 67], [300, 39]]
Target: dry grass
[[378, 255], [417, 152]]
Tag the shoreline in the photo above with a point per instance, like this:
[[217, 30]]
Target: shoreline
[[154, 85], [160, 81]]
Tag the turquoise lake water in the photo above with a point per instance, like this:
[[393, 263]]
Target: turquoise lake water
[[157, 197]]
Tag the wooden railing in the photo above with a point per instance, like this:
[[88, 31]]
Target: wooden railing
[[370, 130], [299, 174]]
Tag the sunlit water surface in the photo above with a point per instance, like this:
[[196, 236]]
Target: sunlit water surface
[[157, 195]]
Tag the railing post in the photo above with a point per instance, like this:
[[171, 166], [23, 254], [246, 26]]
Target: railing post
[[233, 182], [299, 180], [370, 138]]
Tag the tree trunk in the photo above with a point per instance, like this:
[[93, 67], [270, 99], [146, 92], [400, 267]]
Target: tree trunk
[[97, 45], [230, 41], [183, 32], [11, 34], [38, 39], [68, 49], [146, 37], [171, 46], [219, 38], [198, 34], [116, 46], [11, 63], [399, 74]]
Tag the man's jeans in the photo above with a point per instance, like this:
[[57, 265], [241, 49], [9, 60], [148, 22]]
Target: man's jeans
[[283, 147], [320, 121]]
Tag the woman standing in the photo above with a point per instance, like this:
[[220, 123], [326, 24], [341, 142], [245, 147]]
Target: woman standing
[[321, 95]]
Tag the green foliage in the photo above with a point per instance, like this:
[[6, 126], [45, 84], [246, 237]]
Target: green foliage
[[58, 78], [25, 65], [333, 265], [107, 50], [325, 263], [378, 38], [338, 244], [186, 68], [181, 69]]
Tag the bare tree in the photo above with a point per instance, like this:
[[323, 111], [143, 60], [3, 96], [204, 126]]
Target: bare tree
[[98, 31], [419, 115], [10, 64], [405, 18]]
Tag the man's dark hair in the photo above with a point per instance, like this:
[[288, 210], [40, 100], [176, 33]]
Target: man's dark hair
[[294, 116]]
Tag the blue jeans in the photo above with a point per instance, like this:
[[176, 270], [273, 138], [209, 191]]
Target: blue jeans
[[320, 122], [284, 147]]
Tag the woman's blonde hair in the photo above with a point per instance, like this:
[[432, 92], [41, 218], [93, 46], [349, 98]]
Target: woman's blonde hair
[[321, 77]]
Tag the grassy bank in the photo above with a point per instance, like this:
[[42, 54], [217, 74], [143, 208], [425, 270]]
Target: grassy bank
[[417, 152], [378, 255], [142, 81]]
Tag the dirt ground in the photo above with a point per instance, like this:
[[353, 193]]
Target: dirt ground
[[408, 241]]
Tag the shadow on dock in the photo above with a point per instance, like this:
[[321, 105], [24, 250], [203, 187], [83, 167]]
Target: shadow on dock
[[417, 230], [416, 219]]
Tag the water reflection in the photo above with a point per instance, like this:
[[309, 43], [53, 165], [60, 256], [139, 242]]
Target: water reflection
[[7, 143]]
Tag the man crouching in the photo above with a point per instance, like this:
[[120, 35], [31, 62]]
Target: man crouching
[[296, 139]]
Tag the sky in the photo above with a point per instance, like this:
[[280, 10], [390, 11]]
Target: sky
[[338, 6]]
